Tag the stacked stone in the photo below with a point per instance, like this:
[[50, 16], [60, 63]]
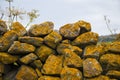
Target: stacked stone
[[42, 53]]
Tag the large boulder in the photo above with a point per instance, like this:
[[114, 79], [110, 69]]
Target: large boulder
[[7, 39], [110, 61], [86, 39], [41, 29], [49, 78], [18, 28], [91, 68], [53, 39], [6, 58], [43, 52], [71, 74], [84, 26], [3, 27], [70, 31], [28, 58], [53, 65], [26, 73], [71, 59], [21, 48], [36, 41]]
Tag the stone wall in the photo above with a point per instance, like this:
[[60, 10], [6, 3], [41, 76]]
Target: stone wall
[[42, 53]]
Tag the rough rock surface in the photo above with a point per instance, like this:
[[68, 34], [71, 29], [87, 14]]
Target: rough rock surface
[[3, 27], [41, 29], [101, 77], [49, 78], [26, 73], [86, 39], [18, 28], [114, 74], [71, 74], [91, 67], [21, 48], [36, 41]]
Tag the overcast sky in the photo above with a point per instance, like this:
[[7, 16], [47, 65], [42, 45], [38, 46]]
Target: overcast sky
[[62, 12]]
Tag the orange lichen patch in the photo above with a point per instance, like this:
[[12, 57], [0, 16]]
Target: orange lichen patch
[[86, 39], [41, 29], [70, 31], [26, 73], [18, 28], [113, 74], [36, 41], [91, 67], [49, 78], [21, 48], [71, 74], [3, 27], [53, 39], [6, 58], [53, 65], [43, 52], [94, 51], [85, 26]]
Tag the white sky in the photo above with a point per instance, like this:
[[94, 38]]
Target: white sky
[[62, 12]]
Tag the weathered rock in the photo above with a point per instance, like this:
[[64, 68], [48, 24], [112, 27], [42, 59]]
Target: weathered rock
[[37, 64], [53, 65], [110, 61], [21, 48], [1, 68], [86, 39], [66, 41], [41, 29], [3, 27], [113, 74], [7, 40], [49, 78], [61, 47], [70, 31], [71, 59], [93, 51], [101, 77], [26, 73], [91, 67], [36, 41], [18, 28], [53, 39], [84, 26], [114, 47], [38, 72], [28, 58], [71, 74], [6, 58], [43, 52]]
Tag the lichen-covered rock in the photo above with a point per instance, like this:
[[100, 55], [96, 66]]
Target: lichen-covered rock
[[93, 51], [101, 77], [110, 61], [1, 68], [21, 48], [53, 65], [38, 72], [91, 67], [36, 41], [41, 29], [114, 47], [71, 74], [61, 47], [3, 27], [70, 31], [7, 39], [37, 64], [26, 73], [53, 39], [71, 59], [6, 58], [113, 74], [84, 26], [86, 39], [18, 28], [28, 58], [49, 78], [43, 52]]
